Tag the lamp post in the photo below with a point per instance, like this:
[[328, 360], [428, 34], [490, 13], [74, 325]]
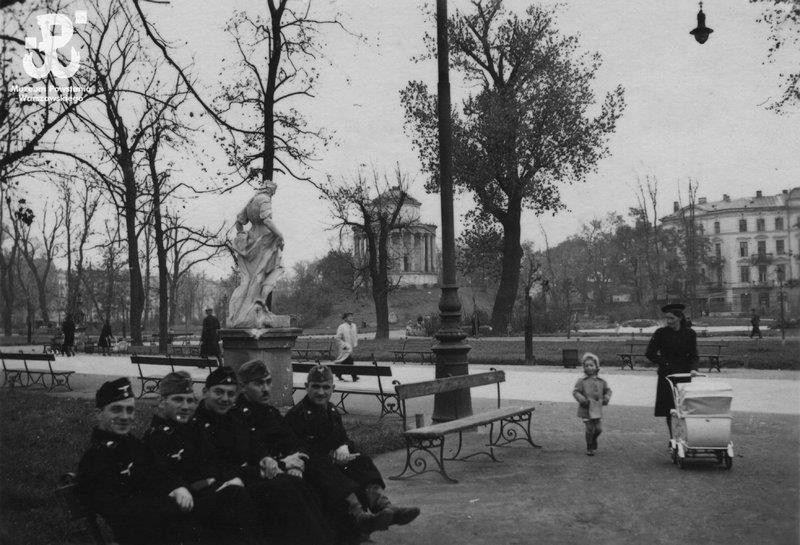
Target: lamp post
[[701, 32], [451, 350]]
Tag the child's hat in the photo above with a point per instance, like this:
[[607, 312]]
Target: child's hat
[[590, 355]]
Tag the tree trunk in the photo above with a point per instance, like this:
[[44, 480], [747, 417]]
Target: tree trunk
[[161, 256], [136, 287], [380, 297], [528, 328], [509, 277]]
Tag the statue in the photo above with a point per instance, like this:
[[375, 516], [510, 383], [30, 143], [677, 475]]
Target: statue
[[259, 254]]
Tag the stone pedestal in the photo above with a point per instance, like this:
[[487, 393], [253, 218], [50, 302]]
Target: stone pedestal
[[273, 346]]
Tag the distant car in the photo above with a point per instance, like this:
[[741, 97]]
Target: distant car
[[640, 323]]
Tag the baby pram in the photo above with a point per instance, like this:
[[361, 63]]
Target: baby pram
[[701, 420]]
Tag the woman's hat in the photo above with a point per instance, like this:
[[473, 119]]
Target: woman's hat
[[672, 307]]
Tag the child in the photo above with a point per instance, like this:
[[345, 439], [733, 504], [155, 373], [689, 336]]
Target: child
[[592, 393]]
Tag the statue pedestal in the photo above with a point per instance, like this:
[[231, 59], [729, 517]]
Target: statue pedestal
[[273, 346]]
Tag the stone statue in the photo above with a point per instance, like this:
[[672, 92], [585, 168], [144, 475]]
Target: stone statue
[[259, 254]]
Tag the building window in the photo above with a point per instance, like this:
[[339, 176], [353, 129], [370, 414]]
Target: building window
[[762, 273], [780, 246], [763, 300], [761, 225], [762, 247], [701, 229], [744, 274], [780, 273], [719, 277], [744, 301], [779, 224], [742, 226], [718, 250], [716, 227], [743, 249]]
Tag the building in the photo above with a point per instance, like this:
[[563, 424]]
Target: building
[[754, 245], [414, 256]]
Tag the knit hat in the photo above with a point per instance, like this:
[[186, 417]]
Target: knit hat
[[179, 382], [115, 390], [589, 355], [252, 370], [320, 373], [222, 375]]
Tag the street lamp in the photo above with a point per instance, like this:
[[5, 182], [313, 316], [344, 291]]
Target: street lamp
[[451, 350], [701, 32]]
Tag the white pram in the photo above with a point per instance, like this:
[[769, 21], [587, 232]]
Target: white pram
[[701, 420]]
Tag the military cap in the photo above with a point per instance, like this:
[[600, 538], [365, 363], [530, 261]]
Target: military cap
[[673, 308], [179, 382], [320, 373], [115, 390], [252, 370], [221, 375]]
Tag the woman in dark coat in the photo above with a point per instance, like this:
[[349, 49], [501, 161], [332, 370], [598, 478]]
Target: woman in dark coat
[[104, 342], [68, 329], [674, 349]]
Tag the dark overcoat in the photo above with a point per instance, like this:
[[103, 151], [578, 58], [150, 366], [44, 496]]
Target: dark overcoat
[[674, 352]]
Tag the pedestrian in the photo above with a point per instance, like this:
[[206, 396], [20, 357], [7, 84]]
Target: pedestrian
[[350, 476], [68, 329], [119, 479], [106, 338], [347, 338], [755, 322], [673, 348], [209, 338], [591, 393]]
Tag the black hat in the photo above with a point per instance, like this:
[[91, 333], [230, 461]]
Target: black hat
[[179, 382], [346, 314], [320, 373], [222, 375], [252, 370], [673, 307], [115, 390]]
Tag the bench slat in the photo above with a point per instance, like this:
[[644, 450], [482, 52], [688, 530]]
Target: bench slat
[[366, 370], [448, 384], [27, 356], [461, 424]]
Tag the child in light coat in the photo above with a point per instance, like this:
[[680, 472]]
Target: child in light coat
[[592, 393]]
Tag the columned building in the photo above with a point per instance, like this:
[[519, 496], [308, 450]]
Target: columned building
[[414, 257], [754, 243]]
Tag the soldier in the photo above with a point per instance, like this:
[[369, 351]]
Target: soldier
[[290, 508], [119, 479], [220, 499], [334, 466]]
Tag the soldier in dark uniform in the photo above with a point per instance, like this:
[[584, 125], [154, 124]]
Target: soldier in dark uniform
[[674, 349], [209, 338], [119, 479], [290, 509], [220, 499], [336, 469]]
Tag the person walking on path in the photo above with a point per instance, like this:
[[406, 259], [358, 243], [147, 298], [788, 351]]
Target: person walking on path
[[347, 337], [755, 322], [209, 338], [674, 349], [591, 392], [105, 340], [68, 329]]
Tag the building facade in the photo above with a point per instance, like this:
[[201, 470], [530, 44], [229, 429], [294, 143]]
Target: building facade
[[753, 245], [414, 257]]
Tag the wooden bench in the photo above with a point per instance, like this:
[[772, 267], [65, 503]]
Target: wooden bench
[[28, 375], [706, 351], [81, 521], [419, 348], [150, 382], [388, 399], [313, 349], [513, 424], [635, 350]]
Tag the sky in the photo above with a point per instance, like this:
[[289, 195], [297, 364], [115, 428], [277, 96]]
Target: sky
[[693, 112]]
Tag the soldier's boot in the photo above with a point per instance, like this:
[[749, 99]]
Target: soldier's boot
[[367, 522], [378, 503]]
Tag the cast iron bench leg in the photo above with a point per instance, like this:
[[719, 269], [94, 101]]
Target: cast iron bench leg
[[418, 465]]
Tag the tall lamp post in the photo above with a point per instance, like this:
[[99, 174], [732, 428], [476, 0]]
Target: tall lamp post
[[451, 350]]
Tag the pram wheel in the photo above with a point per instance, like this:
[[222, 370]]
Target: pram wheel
[[674, 455], [679, 461], [727, 460]]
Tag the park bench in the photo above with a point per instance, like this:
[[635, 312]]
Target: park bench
[[387, 399], [81, 521], [151, 381], [710, 352], [33, 371], [512, 423], [417, 348], [313, 349], [635, 350]]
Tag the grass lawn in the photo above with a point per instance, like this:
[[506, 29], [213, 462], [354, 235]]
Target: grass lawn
[[42, 437], [768, 353]]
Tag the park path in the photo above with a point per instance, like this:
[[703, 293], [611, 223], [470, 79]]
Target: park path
[[753, 390]]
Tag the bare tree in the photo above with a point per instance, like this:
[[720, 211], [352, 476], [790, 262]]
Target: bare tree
[[14, 216], [39, 254]]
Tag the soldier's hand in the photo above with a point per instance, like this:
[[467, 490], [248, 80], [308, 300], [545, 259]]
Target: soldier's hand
[[343, 456], [183, 498], [295, 473], [296, 461], [269, 468]]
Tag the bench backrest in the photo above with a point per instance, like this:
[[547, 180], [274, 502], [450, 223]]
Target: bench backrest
[[449, 384], [373, 370], [27, 356], [188, 361], [150, 360]]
